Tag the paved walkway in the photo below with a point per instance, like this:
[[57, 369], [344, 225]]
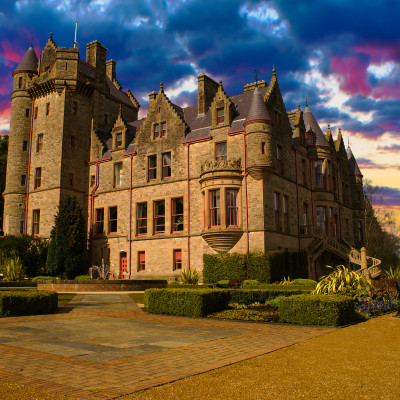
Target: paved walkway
[[101, 346]]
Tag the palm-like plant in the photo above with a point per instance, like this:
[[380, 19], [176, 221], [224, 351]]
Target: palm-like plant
[[341, 280], [189, 277], [13, 269], [392, 273]]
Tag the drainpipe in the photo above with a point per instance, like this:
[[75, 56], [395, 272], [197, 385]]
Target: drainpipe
[[92, 195], [29, 169], [188, 205], [130, 218], [246, 203], [297, 193]]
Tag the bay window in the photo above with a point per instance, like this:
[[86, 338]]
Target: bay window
[[215, 208], [232, 207]]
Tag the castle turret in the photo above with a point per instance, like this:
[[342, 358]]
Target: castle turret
[[259, 138], [19, 145]]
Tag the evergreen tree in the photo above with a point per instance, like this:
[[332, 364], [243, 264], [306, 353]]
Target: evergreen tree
[[66, 254]]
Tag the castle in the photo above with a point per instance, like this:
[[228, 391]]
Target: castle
[[230, 174]]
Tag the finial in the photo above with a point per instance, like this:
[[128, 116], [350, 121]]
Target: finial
[[273, 70], [51, 35], [329, 126], [298, 106], [306, 101], [220, 83], [255, 76], [340, 131], [161, 87]]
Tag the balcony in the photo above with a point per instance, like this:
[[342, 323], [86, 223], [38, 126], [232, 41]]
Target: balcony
[[222, 240]]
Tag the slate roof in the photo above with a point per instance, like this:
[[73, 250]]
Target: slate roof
[[29, 62], [118, 95], [311, 124], [258, 110], [353, 166]]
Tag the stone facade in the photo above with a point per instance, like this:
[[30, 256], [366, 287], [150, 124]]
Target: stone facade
[[233, 174]]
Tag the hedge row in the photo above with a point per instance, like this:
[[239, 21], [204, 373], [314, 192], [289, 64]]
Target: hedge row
[[27, 302], [264, 267], [249, 296], [332, 310], [194, 303], [27, 283]]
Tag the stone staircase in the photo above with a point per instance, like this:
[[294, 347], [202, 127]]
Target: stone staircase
[[361, 259]]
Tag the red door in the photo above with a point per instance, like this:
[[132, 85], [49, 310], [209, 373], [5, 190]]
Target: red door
[[124, 266]]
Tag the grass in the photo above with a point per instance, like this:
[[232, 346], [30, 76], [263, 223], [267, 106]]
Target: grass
[[137, 297], [65, 297]]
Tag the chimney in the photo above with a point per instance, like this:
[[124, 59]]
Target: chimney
[[96, 55], [110, 69], [207, 88], [152, 100]]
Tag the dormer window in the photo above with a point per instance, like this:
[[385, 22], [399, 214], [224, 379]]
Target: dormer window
[[220, 116], [309, 138], [119, 140]]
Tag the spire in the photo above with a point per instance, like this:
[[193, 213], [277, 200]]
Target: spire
[[29, 62], [311, 124], [258, 110], [353, 166]]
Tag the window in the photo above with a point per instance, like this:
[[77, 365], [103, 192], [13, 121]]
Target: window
[[319, 175], [118, 174], [304, 220], [360, 235], [156, 131], [177, 257], [220, 116], [74, 105], [36, 112], [118, 143], [159, 217], [38, 177], [279, 158], [72, 141], [321, 218], [99, 221], [221, 151], [232, 207], [141, 261], [141, 219], [304, 171], [39, 142], [285, 213], [152, 168], [328, 175], [92, 180], [25, 145], [215, 208], [177, 215], [112, 220], [47, 108], [20, 82], [166, 165], [277, 201], [23, 180], [36, 222], [71, 179], [163, 129], [27, 112], [309, 138], [262, 147]]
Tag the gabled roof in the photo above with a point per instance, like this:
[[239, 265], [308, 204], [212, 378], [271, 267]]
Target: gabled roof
[[29, 62], [353, 166], [118, 95], [312, 125], [258, 111]]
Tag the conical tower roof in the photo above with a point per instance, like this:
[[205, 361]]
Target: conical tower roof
[[258, 110], [353, 166], [311, 124], [29, 62]]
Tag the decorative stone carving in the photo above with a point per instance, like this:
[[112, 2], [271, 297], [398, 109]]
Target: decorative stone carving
[[221, 164], [222, 240]]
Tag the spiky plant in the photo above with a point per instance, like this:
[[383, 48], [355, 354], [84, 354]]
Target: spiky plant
[[392, 273], [13, 270], [189, 277], [341, 280], [286, 281]]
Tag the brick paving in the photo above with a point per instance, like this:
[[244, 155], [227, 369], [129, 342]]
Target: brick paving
[[102, 346]]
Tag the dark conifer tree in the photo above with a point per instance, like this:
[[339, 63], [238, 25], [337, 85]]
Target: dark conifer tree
[[66, 254]]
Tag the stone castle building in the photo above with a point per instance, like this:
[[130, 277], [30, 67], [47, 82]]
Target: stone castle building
[[230, 174]]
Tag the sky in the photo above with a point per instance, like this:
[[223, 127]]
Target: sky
[[344, 55]]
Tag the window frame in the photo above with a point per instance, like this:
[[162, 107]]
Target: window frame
[[99, 222], [141, 261], [38, 178], [118, 174], [118, 140], [112, 221], [47, 108], [156, 131], [39, 143], [156, 216], [23, 180], [218, 154], [220, 116], [163, 129], [24, 145], [166, 166], [138, 219], [36, 222], [215, 208], [177, 259], [92, 180], [319, 173], [277, 208], [175, 217], [151, 170], [322, 223], [285, 212], [232, 209]]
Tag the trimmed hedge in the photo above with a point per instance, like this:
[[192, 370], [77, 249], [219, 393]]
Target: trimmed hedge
[[264, 267], [189, 302], [27, 283], [43, 278], [331, 310], [249, 296], [27, 302]]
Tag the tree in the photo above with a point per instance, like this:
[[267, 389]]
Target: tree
[[380, 228], [67, 248], [3, 168]]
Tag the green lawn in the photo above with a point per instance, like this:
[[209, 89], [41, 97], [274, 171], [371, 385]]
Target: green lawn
[[137, 297]]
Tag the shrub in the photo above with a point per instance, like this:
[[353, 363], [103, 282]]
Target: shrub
[[341, 279], [247, 315], [376, 306], [249, 283], [223, 284], [250, 296], [189, 277], [387, 287], [306, 282], [82, 278], [43, 278], [392, 273], [194, 303], [32, 251], [19, 284], [332, 310], [13, 270], [27, 302]]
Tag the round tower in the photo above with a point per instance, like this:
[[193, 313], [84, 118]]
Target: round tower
[[21, 119], [260, 146]]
